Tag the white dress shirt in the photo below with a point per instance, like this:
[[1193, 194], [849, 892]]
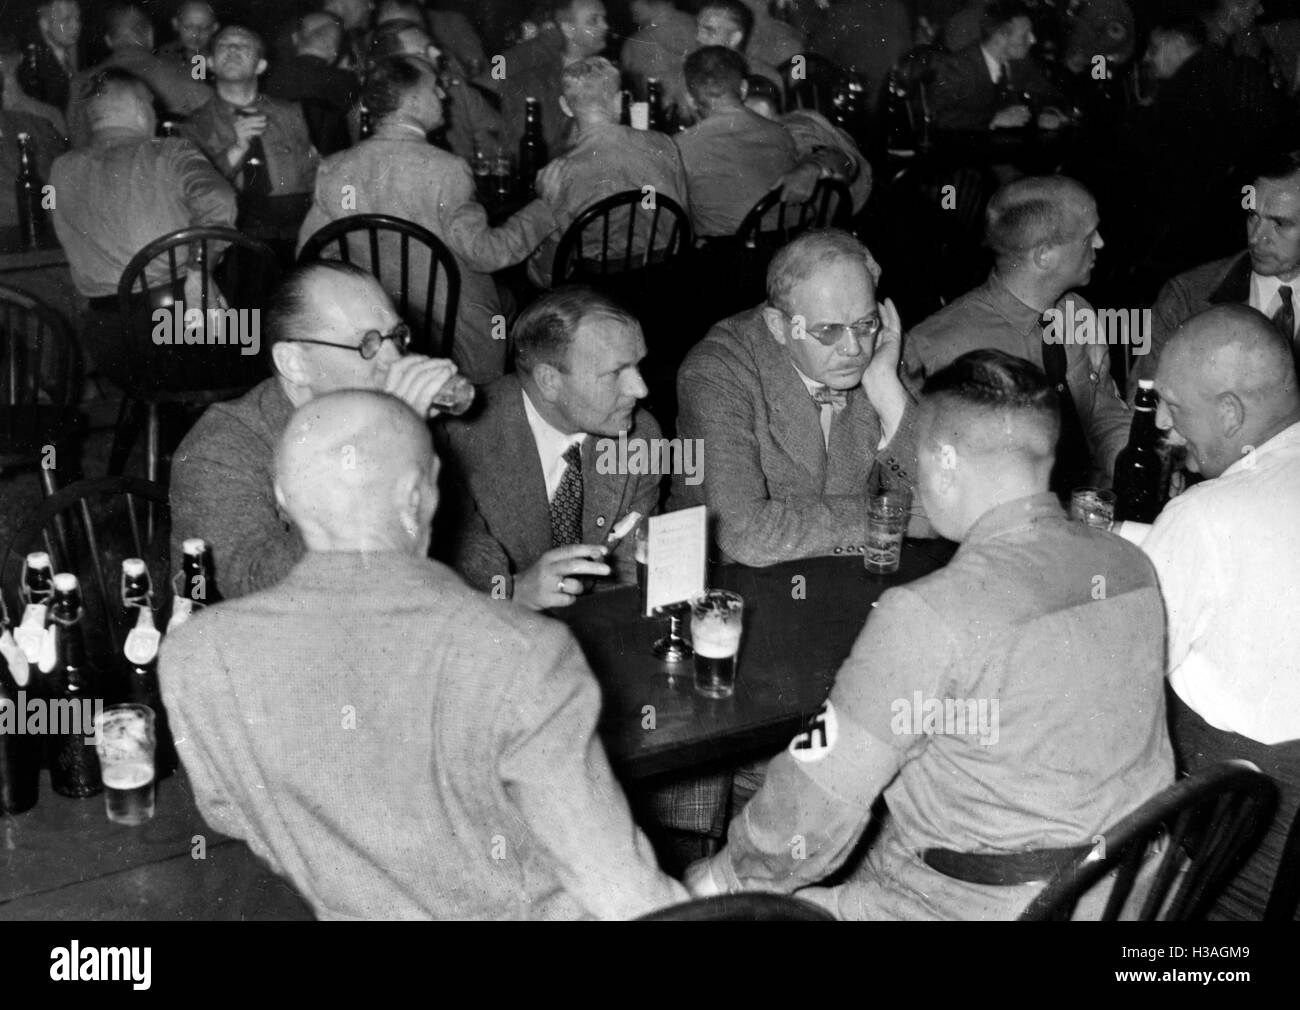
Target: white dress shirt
[[1228, 555], [551, 446], [994, 67], [828, 411], [1265, 297]]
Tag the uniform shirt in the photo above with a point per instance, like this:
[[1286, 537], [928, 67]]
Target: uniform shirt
[[991, 316], [400, 747], [397, 172], [1046, 637], [609, 159], [813, 133], [291, 160], [1228, 555], [732, 159], [122, 192]]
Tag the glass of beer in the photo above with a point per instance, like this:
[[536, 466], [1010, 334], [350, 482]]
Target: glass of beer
[[125, 741], [716, 620], [887, 514], [503, 175], [1093, 506]]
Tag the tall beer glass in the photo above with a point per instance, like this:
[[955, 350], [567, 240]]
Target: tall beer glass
[[125, 740], [717, 617]]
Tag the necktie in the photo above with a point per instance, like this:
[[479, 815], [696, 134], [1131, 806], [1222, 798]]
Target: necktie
[[566, 505], [1284, 318], [1073, 460]]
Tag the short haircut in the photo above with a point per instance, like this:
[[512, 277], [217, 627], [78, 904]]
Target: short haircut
[[714, 72], [590, 82], [113, 84], [244, 30], [762, 87], [801, 259], [390, 81], [1189, 26], [289, 308], [999, 13], [544, 330], [1281, 166], [1034, 211], [386, 42], [995, 383], [741, 16]]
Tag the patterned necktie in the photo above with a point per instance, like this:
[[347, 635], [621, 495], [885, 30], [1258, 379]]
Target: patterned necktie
[[837, 398], [566, 505], [1284, 318]]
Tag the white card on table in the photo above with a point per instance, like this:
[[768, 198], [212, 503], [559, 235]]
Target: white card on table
[[676, 549]]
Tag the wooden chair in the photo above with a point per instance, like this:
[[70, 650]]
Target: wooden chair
[[637, 243], [1209, 822], [87, 528], [430, 336], [810, 81], [243, 270], [40, 369], [744, 907], [774, 221]]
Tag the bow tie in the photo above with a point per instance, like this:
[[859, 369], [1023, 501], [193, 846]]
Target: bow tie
[[837, 398]]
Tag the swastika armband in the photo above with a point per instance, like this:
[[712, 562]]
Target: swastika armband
[[818, 739]]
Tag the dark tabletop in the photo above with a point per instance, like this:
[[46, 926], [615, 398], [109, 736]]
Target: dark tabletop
[[801, 619]]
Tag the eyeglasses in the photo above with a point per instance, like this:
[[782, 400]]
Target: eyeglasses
[[830, 334], [371, 342]]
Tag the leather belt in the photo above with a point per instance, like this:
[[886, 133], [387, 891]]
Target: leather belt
[[1003, 869]]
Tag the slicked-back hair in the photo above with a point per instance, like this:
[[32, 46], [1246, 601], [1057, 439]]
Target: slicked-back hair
[[801, 259], [994, 382], [390, 81], [741, 16], [544, 330], [386, 42], [998, 13], [592, 81], [289, 308], [1031, 212], [714, 72]]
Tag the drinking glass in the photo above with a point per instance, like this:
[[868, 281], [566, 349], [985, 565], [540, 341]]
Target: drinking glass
[[717, 617]]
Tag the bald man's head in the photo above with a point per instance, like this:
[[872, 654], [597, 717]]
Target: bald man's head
[[988, 429], [1227, 384], [355, 470]]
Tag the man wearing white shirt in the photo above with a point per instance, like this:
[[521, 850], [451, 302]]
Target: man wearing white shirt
[[799, 408], [1227, 553], [1266, 276], [531, 499]]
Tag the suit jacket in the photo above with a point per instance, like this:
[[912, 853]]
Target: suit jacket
[[774, 490], [965, 98], [1222, 282], [498, 519]]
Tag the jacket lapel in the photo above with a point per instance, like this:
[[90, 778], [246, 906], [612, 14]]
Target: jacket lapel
[[794, 420], [512, 492], [603, 494], [854, 436], [1235, 287]]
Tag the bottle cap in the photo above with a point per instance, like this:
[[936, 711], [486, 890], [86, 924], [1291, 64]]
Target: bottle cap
[[132, 567], [194, 545], [1146, 383], [38, 559], [65, 582]]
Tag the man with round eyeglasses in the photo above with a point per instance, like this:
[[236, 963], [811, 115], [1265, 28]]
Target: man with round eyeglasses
[[800, 407], [329, 326]]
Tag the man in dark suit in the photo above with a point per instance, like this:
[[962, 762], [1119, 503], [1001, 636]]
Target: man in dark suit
[[534, 492], [1266, 276], [55, 55], [312, 77], [992, 84], [799, 406]]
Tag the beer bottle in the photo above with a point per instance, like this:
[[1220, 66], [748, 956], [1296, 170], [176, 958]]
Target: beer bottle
[[1139, 484], [532, 148], [72, 686], [33, 225], [141, 653], [198, 587], [625, 117], [37, 591], [655, 99], [20, 752]]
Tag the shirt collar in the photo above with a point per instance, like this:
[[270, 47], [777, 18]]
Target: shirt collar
[[1285, 439], [400, 131], [1015, 514], [1025, 318], [551, 442], [1264, 290], [993, 66]]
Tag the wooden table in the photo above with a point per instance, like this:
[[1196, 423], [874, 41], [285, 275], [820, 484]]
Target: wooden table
[[801, 619]]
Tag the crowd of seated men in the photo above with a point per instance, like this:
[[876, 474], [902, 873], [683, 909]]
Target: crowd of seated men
[[497, 799]]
